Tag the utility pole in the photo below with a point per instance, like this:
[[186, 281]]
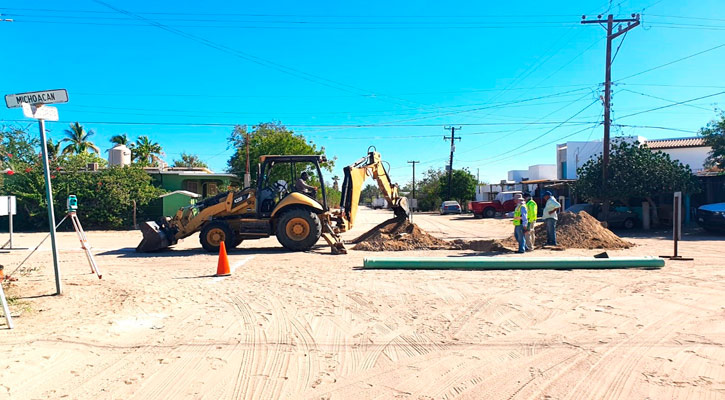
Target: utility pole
[[413, 162], [452, 138], [611, 35], [247, 175]]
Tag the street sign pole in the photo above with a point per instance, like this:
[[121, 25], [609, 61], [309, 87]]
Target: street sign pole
[[49, 199], [34, 106]]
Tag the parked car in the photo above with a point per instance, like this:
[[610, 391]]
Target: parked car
[[711, 217], [617, 219], [502, 203], [450, 207]]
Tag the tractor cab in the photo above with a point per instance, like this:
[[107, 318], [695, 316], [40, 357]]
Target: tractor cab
[[277, 179]]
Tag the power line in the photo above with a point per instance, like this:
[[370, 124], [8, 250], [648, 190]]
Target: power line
[[245, 56], [211, 124], [663, 99], [672, 105], [408, 16], [502, 137], [543, 145], [664, 128], [298, 27], [543, 134], [672, 62]]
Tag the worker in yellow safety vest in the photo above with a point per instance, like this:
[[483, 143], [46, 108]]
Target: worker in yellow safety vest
[[532, 210], [520, 222]]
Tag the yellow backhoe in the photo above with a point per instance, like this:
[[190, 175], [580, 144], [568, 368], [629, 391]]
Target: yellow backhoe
[[298, 218]]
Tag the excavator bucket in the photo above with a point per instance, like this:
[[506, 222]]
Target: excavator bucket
[[401, 209], [155, 238]]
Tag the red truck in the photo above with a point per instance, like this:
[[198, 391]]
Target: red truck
[[503, 203]]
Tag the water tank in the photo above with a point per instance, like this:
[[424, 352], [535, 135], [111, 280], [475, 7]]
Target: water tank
[[119, 155]]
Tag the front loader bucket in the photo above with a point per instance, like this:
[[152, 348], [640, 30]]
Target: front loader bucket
[[154, 238]]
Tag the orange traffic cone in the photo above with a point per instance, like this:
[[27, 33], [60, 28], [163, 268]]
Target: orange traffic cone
[[222, 268]]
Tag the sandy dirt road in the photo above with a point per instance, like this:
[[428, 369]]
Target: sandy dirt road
[[313, 325]]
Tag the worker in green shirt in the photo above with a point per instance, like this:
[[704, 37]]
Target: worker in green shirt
[[532, 210]]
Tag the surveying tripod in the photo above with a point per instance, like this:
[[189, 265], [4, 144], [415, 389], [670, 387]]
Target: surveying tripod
[[84, 242], [72, 206]]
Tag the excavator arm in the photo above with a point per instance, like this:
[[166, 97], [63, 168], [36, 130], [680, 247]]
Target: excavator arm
[[355, 175]]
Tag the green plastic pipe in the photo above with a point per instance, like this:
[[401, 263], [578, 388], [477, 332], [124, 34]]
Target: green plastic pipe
[[486, 263]]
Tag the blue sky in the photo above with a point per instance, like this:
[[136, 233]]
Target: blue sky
[[184, 72]]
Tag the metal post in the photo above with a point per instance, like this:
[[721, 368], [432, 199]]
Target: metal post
[[49, 199], [676, 230], [10, 219], [6, 309]]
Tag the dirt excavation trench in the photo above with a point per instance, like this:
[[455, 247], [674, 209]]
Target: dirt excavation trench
[[580, 231]]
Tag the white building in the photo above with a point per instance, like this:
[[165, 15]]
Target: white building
[[541, 172], [518, 175], [570, 156], [689, 151]]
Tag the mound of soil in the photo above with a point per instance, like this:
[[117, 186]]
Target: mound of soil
[[484, 245], [577, 231], [397, 235]]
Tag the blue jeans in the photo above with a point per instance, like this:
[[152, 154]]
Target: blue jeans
[[520, 237], [550, 231]]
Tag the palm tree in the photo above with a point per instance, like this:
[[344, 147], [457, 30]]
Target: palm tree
[[53, 149], [145, 152], [120, 139], [78, 139]]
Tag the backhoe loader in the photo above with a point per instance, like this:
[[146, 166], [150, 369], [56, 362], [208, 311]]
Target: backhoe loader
[[275, 207]]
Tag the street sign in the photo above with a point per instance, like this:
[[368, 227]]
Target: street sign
[[7, 205], [43, 97], [40, 111]]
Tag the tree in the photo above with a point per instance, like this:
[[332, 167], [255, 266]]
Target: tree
[[18, 147], [369, 192], [268, 138], [190, 161], [121, 139], [145, 153], [463, 186], [53, 149], [427, 190], [634, 172], [714, 136], [78, 140]]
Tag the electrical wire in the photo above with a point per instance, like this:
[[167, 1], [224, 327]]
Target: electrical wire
[[672, 62], [672, 105], [663, 99], [543, 134]]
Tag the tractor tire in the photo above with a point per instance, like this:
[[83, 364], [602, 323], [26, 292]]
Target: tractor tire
[[490, 212], [629, 223], [299, 229], [213, 233]]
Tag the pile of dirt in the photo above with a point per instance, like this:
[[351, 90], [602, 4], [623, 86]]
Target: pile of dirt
[[577, 231], [397, 235], [484, 246]]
